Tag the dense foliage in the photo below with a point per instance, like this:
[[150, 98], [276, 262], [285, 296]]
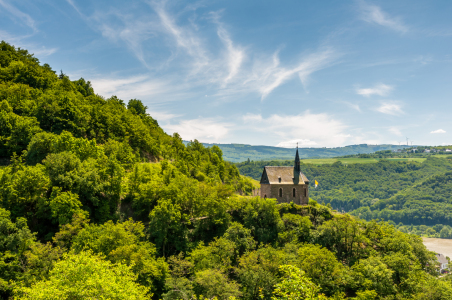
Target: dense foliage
[[97, 202], [406, 192]]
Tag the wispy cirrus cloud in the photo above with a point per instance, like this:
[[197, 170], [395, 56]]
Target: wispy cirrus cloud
[[230, 68], [140, 86], [183, 36], [390, 109], [234, 55], [267, 77], [352, 105], [18, 14], [21, 41], [438, 131], [379, 89], [130, 87], [41, 51], [375, 15]]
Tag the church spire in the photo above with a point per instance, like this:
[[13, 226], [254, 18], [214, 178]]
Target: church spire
[[296, 168]]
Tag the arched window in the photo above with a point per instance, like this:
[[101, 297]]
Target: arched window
[[293, 192], [265, 196], [305, 192], [280, 192]]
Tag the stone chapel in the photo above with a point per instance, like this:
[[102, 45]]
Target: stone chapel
[[286, 184]]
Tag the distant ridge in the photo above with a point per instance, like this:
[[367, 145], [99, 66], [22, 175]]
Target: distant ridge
[[241, 152]]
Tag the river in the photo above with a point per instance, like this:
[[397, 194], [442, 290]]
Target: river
[[443, 246]]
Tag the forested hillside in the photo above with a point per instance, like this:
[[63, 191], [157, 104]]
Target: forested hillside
[[406, 192], [242, 152], [97, 202]]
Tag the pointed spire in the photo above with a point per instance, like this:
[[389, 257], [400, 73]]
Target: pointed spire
[[296, 168]]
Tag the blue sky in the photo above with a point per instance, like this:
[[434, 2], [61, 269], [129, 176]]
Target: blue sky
[[321, 73]]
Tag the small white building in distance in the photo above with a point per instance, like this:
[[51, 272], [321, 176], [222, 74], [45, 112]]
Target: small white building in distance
[[442, 261]]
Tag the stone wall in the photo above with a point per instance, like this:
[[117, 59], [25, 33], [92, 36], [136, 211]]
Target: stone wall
[[272, 191]]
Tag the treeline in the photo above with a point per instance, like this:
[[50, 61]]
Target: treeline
[[242, 152], [391, 190], [435, 231], [97, 202]]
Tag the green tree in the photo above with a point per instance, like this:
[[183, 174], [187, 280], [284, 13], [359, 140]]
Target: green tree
[[241, 237], [167, 228], [124, 243], [213, 283], [64, 205], [262, 217], [373, 274], [258, 271], [322, 267], [296, 229], [295, 285], [137, 107], [85, 276]]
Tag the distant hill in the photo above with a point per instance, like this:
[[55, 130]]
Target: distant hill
[[241, 152]]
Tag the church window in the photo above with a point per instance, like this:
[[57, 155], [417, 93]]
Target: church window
[[279, 179], [293, 192], [305, 192], [265, 196], [280, 192]]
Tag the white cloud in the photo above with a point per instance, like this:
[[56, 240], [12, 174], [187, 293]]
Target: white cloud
[[307, 128], [299, 143], [390, 109], [202, 129], [438, 131], [374, 14], [129, 87], [252, 118], [161, 116], [23, 17], [395, 130], [380, 89]]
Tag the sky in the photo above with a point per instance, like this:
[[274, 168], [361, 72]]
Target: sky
[[318, 73]]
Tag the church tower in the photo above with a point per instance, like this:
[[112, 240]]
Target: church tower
[[286, 184], [296, 168]]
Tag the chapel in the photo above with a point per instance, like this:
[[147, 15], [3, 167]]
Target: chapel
[[286, 184]]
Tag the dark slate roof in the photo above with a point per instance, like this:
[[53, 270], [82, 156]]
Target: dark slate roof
[[441, 258], [271, 175]]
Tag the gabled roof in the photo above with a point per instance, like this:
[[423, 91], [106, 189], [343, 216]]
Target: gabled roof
[[271, 175], [441, 258]]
